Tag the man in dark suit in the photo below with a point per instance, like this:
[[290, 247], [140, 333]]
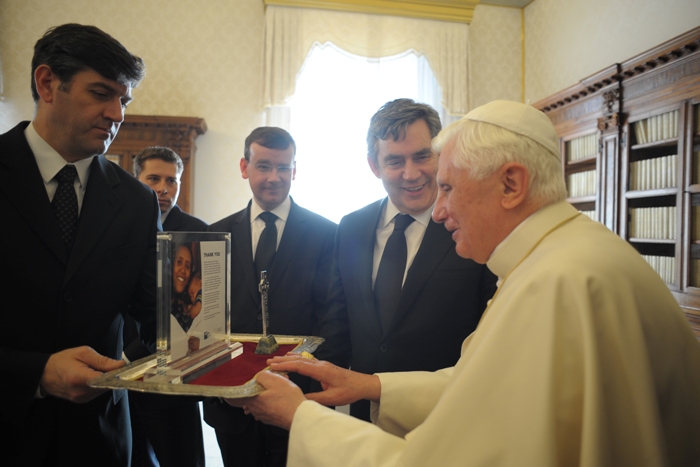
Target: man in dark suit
[[416, 318], [79, 242], [167, 430], [161, 168], [298, 277]]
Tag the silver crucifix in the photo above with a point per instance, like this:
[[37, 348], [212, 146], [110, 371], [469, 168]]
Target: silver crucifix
[[267, 343]]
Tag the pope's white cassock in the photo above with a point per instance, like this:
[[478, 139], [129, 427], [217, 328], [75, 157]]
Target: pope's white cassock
[[582, 358]]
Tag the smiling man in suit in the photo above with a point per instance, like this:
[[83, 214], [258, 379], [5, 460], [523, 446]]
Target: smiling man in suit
[[80, 251], [295, 246], [400, 298]]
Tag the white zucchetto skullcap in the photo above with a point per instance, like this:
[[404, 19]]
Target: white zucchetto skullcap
[[522, 119]]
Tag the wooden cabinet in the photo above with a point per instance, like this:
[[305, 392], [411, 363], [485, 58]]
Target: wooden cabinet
[[178, 133], [630, 140]]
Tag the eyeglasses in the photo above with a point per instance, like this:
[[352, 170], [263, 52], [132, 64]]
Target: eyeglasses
[[281, 169]]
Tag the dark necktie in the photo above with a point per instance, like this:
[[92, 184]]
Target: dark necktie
[[65, 203], [392, 267], [267, 244]]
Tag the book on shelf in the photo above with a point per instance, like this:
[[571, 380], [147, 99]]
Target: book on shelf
[[583, 147], [582, 184], [657, 128], [652, 174], [663, 265], [654, 223]]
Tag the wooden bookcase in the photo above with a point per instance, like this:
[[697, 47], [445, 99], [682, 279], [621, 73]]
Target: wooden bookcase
[[138, 132], [641, 178]]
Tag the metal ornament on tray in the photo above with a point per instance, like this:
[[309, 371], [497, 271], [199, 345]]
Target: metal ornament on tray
[[267, 343]]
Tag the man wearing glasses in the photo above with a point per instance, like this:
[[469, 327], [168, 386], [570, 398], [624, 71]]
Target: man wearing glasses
[[294, 246]]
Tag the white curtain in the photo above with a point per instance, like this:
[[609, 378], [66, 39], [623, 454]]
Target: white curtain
[[291, 33], [336, 95]]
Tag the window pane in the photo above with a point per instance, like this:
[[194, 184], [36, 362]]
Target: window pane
[[336, 95]]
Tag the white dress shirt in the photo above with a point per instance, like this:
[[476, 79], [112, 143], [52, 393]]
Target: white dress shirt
[[50, 163]]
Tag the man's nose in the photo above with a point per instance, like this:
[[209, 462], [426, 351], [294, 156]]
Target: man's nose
[[161, 188], [273, 175], [411, 171], [439, 214], [114, 110]]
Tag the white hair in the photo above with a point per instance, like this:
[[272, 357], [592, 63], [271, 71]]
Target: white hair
[[482, 148]]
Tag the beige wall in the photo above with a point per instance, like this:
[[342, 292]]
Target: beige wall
[[565, 41], [203, 59], [568, 40], [495, 51]]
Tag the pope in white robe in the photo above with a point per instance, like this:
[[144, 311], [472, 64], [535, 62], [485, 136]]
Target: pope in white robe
[[582, 358]]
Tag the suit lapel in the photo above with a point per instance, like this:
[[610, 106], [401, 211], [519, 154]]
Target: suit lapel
[[174, 219], [436, 243], [244, 253], [100, 205], [292, 234], [23, 186]]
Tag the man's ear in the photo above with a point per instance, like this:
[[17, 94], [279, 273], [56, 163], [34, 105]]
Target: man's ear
[[516, 183], [46, 82], [375, 168], [244, 168]]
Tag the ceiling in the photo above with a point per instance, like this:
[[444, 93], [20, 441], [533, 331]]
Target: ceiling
[[460, 11], [513, 3]]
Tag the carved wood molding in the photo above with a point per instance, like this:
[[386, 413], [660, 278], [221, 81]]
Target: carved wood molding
[[664, 55], [613, 121], [611, 98], [174, 132], [585, 88]]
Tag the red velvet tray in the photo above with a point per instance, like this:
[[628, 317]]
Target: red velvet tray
[[233, 379]]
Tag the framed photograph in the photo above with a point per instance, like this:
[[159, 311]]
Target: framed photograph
[[193, 304]]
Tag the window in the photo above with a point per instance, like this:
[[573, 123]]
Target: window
[[336, 95]]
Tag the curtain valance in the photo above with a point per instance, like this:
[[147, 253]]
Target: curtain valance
[[292, 32]]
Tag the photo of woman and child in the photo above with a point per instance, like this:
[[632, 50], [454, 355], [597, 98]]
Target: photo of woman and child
[[186, 301]]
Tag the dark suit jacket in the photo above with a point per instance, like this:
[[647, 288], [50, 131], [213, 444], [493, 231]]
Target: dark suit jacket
[[180, 221], [298, 287], [441, 303], [67, 300]]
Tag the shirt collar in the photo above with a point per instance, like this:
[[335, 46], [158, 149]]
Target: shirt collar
[[164, 215], [523, 239], [390, 211], [50, 162], [281, 211]]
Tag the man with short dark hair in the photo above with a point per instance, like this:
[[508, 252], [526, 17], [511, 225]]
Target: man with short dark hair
[[167, 430], [414, 315], [294, 246], [161, 169], [81, 252]]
